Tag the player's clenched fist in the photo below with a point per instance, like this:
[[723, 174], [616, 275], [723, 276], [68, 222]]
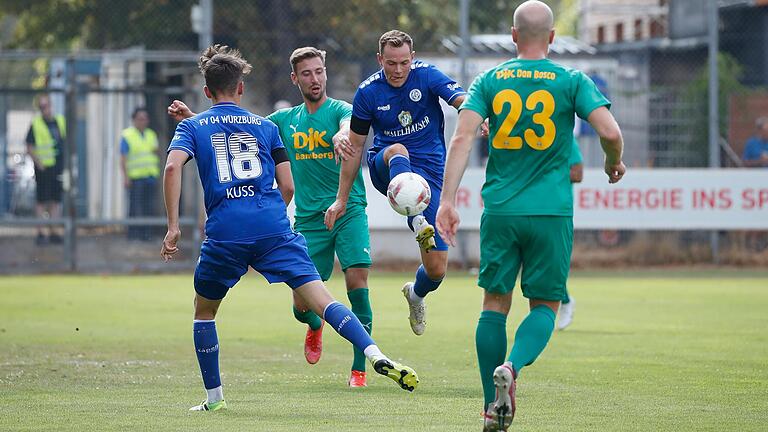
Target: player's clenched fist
[[170, 248], [342, 148], [178, 110], [615, 171]]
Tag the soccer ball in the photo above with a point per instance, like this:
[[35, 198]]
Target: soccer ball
[[409, 194]]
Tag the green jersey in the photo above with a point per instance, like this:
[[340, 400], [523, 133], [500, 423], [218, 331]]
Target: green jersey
[[530, 105], [308, 140], [576, 157]]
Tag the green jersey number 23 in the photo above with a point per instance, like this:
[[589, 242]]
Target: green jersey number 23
[[503, 140]]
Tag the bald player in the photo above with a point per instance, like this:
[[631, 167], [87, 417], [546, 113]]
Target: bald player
[[527, 222]]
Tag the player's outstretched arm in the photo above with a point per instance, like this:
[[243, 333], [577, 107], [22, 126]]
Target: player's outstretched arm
[[172, 194], [455, 164], [610, 138], [349, 170], [285, 181], [179, 111]]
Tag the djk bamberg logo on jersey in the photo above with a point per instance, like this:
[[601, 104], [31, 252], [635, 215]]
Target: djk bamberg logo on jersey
[[415, 95]]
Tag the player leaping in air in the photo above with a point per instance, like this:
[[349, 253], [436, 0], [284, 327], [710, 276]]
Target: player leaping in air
[[401, 103], [239, 157], [313, 131]]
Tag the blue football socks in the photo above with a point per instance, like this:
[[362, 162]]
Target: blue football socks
[[423, 284], [398, 164], [207, 348], [347, 325]]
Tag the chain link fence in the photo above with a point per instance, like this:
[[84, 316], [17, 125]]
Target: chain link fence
[[75, 213], [140, 54]]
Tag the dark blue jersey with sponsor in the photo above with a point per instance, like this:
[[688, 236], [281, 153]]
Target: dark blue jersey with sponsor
[[410, 115], [233, 149]]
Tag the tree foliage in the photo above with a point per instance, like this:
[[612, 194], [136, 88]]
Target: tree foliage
[[55, 24], [265, 30], [351, 25]]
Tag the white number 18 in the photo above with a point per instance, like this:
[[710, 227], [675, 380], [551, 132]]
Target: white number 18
[[245, 155]]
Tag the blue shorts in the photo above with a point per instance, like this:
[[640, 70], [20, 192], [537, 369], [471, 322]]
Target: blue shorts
[[279, 259], [379, 172]]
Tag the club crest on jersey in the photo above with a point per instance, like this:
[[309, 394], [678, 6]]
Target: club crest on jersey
[[415, 95], [405, 118]]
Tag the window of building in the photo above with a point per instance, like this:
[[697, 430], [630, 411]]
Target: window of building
[[656, 29]]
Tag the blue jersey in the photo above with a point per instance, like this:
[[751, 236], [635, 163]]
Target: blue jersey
[[233, 148], [410, 115]]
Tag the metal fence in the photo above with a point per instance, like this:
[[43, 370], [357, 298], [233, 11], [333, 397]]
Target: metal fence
[[657, 86], [86, 227]]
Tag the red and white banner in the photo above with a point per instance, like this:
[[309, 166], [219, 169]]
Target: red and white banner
[[655, 199]]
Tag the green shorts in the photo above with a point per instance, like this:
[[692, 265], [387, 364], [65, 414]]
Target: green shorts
[[540, 244], [349, 239]]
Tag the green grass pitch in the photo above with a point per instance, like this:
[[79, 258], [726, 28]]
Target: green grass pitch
[[648, 351]]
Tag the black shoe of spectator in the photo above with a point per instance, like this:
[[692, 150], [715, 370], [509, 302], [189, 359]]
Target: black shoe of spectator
[[56, 239], [41, 240]]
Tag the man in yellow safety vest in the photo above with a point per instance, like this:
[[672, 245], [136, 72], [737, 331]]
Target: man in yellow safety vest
[[45, 143], [140, 163]]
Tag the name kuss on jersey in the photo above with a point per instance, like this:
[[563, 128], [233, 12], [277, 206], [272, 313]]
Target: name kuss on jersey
[[242, 191]]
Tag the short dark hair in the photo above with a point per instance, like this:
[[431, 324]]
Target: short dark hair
[[137, 111], [395, 38], [301, 54], [223, 68]]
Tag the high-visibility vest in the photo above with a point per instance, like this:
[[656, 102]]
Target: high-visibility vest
[[45, 145], [142, 160]]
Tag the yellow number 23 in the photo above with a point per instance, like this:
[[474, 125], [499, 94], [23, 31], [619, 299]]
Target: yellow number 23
[[503, 140]]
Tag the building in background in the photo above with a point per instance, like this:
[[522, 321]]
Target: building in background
[[616, 21], [661, 48]]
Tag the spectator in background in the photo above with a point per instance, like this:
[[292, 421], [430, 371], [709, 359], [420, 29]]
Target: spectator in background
[[140, 164], [45, 141], [756, 156], [756, 148]]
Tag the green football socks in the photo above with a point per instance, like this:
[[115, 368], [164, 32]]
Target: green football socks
[[308, 317], [361, 307], [532, 336], [491, 344]]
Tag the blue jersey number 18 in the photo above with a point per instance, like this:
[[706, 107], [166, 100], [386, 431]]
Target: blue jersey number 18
[[245, 156]]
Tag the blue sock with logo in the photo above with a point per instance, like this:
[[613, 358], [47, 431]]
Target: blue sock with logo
[[347, 325], [398, 164], [207, 348], [423, 284]]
